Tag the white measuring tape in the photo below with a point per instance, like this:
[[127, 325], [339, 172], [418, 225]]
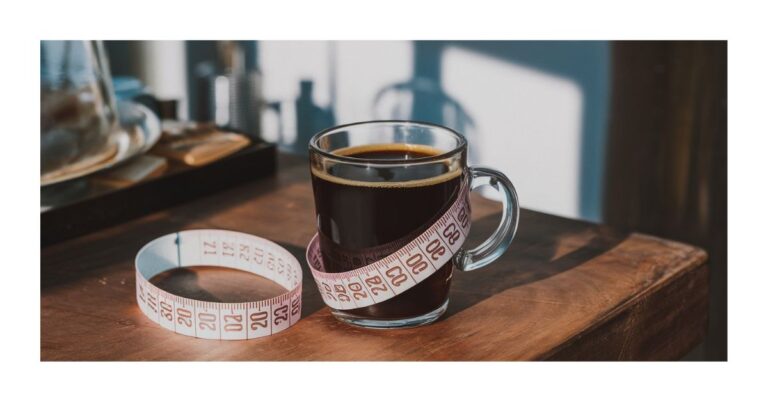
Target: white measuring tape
[[399, 271], [211, 320], [362, 287]]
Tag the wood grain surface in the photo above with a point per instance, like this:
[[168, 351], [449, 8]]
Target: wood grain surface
[[566, 290]]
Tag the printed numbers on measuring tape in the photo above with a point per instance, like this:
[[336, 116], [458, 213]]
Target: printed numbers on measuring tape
[[392, 275], [211, 320]]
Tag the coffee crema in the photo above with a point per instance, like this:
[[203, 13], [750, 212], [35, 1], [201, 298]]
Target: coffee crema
[[416, 175], [365, 214]]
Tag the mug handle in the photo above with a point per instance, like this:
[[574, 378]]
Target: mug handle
[[494, 246]]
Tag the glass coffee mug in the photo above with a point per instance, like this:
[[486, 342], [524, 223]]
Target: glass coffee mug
[[380, 184]]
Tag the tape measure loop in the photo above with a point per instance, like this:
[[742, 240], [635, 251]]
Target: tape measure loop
[[213, 320]]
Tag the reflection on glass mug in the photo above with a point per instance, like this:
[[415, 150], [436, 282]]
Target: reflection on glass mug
[[77, 109], [379, 185]]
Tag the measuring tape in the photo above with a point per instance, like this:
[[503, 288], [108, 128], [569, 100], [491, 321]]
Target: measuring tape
[[361, 287], [211, 320], [399, 271]]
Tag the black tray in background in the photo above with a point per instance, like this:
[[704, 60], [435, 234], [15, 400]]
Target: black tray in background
[[177, 184]]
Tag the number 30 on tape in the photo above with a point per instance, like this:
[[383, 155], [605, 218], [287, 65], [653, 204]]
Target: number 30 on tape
[[210, 320], [396, 273]]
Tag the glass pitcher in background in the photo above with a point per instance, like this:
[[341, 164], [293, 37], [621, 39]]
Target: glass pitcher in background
[[78, 117]]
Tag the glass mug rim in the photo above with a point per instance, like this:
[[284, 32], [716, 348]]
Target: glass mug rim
[[460, 146]]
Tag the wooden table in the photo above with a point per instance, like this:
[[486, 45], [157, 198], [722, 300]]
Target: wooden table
[[566, 290]]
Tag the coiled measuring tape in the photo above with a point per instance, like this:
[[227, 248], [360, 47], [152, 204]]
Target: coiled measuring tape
[[211, 320], [400, 270], [362, 287]]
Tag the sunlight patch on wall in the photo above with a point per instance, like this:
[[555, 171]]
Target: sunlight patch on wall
[[528, 126]]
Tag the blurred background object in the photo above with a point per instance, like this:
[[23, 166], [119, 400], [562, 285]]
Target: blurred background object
[[113, 150], [78, 116], [631, 134], [230, 96], [83, 128]]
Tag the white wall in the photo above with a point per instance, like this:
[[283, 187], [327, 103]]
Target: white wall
[[364, 68]]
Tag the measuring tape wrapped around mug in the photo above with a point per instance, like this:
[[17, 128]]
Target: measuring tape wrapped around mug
[[399, 271], [211, 320]]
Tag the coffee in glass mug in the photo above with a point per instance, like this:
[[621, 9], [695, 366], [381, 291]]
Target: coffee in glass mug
[[378, 186]]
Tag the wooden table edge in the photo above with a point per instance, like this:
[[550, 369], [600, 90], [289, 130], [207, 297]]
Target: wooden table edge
[[695, 260]]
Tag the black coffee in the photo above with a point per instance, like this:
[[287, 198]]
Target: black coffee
[[366, 214]]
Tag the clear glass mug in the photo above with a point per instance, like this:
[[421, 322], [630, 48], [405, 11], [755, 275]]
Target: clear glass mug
[[377, 185]]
